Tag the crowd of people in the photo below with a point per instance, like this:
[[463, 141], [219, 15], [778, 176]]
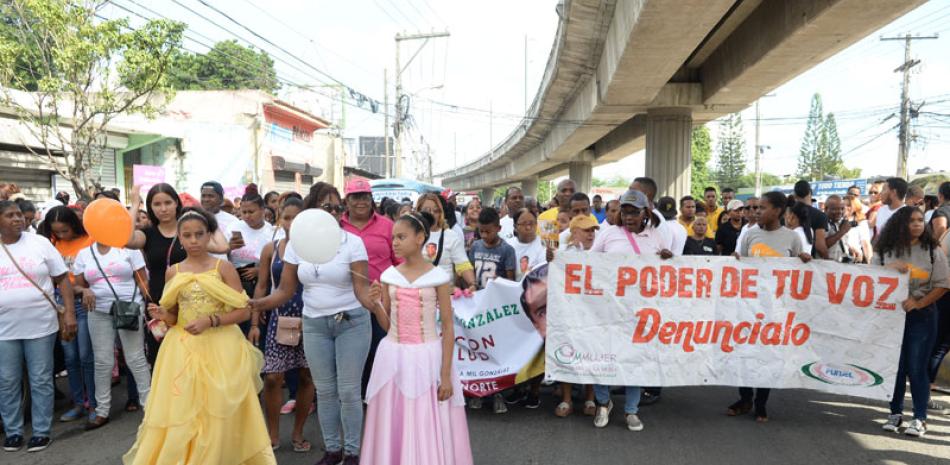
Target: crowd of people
[[232, 309]]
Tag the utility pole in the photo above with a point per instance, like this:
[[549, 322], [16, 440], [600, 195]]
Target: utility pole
[[903, 134], [759, 149], [387, 155], [526, 75], [401, 112]]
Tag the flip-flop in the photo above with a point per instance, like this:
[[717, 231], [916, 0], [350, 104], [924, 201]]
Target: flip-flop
[[131, 406], [739, 408], [301, 446], [564, 409]]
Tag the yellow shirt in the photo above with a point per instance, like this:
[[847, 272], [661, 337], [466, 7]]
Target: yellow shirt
[[689, 228], [713, 220]]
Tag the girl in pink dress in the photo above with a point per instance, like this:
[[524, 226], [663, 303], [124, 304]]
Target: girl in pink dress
[[416, 413]]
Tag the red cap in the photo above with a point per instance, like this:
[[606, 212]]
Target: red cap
[[447, 193], [357, 186]]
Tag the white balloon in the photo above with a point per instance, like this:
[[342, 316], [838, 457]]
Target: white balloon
[[315, 236]]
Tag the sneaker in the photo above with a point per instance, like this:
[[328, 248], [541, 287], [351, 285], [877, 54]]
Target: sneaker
[[934, 406], [532, 402], [331, 458], [13, 443], [893, 423], [648, 398], [288, 407], [475, 403], [917, 428], [73, 414], [498, 404], [351, 460], [602, 417], [634, 423], [515, 397], [38, 443]]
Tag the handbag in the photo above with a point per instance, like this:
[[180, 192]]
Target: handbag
[[125, 313], [289, 328], [60, 310]]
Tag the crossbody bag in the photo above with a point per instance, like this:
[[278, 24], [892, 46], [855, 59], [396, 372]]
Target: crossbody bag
[[126, 314], [60, 310], [289, 328]]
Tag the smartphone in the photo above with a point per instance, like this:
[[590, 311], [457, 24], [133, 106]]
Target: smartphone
[[237, 235], [854, 224]]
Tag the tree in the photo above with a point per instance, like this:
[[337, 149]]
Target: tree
[[748, 180], [701, 152], [85, 73], [809, 155], [830, 162], [730, 148], [228, 65], [615, 181]]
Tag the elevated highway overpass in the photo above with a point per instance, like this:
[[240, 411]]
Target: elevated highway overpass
[[627, 75]]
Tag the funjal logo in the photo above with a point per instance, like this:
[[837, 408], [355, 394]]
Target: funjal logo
[[842, 374]]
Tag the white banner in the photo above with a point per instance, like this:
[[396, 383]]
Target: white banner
[[494, 339], [776, 322]]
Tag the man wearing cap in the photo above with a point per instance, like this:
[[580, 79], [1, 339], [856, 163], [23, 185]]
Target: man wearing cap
[[376, 232], [667, 208], [728, 233], [648, 187], [212, 198], [514, 200], [637, 234]]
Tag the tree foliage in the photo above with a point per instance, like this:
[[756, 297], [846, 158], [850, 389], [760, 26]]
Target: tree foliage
[[615, 181], [228, 65], [820, 154], [701, 150], [82, 74], [730, 148]]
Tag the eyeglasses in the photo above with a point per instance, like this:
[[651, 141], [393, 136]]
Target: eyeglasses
[[631, 211], [330, 208]]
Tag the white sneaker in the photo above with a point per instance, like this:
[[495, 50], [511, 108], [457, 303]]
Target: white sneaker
[[893, 423], [634, 423], [475, 403], [917, 428], [498, 404], [602, 417]]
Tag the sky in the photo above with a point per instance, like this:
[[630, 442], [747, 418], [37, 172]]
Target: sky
[[468, 91]]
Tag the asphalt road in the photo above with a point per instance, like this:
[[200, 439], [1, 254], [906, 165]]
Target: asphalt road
[[687, 426]]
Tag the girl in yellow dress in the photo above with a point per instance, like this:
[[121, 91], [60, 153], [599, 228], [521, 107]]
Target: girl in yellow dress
[[203, 406]]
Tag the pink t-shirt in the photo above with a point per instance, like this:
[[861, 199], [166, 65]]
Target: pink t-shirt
[[613, 239], [377, 236]]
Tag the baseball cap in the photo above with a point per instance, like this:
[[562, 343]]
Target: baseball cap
[[634, 198], [357, 186], [583, 222], [448, 193], [734, 205], [667, 206]]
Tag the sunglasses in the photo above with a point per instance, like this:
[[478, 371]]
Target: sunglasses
[[330, 208]]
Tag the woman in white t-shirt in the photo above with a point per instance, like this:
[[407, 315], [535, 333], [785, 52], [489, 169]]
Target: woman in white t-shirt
[[858, 238], [96, 268], [445, 247], [336, 327], [529, 251], [247, 238], [28, 326]]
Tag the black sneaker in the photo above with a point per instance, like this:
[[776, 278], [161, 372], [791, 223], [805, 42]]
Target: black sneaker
[[514, 397], [532, 402], [13, 443], [38, 443], [648, 398]]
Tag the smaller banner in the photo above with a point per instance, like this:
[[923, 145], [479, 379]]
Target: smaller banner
[[496, 345], [757, 322], [147, 176]]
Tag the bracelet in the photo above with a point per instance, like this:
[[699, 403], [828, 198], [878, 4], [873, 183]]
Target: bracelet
[[211, 319], [217, 319]]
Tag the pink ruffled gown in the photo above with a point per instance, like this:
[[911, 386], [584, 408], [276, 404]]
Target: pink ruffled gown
[[405, 422]]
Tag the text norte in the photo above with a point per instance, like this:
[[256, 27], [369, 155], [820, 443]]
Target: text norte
[[686, 282], [650, 325]]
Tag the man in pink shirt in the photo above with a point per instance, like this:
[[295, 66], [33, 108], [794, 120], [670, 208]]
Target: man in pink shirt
[[376, 231]]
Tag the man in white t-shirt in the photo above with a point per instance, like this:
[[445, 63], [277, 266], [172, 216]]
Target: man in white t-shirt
[[647, 186], [514, 199], [892, 195], [212, 198]]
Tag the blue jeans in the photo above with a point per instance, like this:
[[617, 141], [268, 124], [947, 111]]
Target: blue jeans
[[920, 330], [336, 352], [38, 354], [80, 362], [630, 406]]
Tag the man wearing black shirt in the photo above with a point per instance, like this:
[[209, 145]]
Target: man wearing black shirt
[[728, 233], [816, 219], [697, 243]]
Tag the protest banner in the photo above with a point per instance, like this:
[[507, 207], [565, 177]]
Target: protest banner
[[776, 322], [146, 176], [495, 342]]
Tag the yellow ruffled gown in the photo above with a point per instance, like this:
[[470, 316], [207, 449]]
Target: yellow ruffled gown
[[203, 407]]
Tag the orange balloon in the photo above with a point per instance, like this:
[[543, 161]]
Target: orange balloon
[[108, 222]]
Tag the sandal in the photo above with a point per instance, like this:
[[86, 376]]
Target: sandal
[[761, 416], [590, 408], [563, 409], [132, 406], [301, 446], [739, 408]]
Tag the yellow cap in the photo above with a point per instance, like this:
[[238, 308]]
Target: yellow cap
[[584, 222]]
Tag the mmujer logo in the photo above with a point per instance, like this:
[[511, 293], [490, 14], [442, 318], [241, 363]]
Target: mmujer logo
[[842, 374]]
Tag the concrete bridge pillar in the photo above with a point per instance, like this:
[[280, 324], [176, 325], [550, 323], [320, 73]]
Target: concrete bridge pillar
[[581, 170], [530, 187], [488, 195], [668, 156]]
